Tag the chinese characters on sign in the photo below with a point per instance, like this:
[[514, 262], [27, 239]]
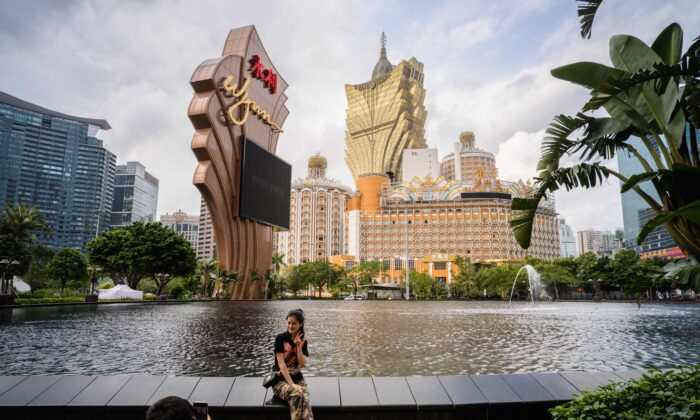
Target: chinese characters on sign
[[260, 72]]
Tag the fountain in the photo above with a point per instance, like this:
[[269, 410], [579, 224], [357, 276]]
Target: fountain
[[534, 281]]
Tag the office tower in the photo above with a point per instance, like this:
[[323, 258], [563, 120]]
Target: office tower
[[385, 116], [567, 240], [135, 195], [56, 163], [184, 224]]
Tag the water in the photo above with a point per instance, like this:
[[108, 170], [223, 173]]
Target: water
[[535, 287], [355, 338]]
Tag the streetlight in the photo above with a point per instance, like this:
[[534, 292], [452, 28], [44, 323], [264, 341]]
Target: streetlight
[[6, 282], [408, 296], [161, 277]]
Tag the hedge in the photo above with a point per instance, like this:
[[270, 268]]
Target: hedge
[[657, 395]]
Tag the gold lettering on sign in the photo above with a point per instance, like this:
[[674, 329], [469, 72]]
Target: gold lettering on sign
[[241, 93]]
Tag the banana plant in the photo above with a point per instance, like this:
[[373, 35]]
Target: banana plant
[[651, 93]]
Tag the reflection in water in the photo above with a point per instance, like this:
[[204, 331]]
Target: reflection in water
[[358, 338]]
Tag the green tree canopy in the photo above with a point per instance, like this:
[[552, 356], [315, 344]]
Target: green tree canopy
[[68, 268], [133, 252]]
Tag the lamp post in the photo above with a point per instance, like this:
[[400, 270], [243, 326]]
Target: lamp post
[[408, 293], [161, 277], [93, 279], [7, 282]]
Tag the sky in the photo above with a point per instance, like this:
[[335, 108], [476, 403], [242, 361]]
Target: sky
[[486, 68]]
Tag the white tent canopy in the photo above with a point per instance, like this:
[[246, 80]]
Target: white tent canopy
[[120, 291]]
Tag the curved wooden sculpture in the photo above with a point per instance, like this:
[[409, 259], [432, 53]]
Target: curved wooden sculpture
[[239, 95]]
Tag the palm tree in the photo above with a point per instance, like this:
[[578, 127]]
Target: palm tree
[[278, 261], [227, 278], [650, 94], [21, 221], [206, 269]]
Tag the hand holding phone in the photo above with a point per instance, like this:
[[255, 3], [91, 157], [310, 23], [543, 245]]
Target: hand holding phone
[[201, 410]]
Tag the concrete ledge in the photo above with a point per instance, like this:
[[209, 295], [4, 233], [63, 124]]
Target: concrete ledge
[[414, 397]]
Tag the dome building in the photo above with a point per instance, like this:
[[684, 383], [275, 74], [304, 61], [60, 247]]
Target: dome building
[[316, 216]]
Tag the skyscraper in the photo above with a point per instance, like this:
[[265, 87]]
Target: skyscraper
[[567, 240], [55, 162], [135, 195], [385, 116], [206, 242], [636, 212], [599, 242]]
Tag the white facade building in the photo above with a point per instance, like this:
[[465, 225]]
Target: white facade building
[[420, 163], [184, 224]]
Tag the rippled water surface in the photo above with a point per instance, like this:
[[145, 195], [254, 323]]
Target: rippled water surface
[[359, 338]]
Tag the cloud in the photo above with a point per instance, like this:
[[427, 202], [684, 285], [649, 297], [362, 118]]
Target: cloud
[[487, 70]]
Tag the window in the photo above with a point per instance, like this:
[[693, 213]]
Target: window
[[440, 265], [398, 264]]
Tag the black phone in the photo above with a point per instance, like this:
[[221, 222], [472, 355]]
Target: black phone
[[201, 410]]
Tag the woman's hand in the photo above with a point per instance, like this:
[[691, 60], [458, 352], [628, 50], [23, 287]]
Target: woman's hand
[[299, 340]]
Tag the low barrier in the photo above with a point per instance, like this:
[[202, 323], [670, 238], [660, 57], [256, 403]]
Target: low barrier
[[413, 397]]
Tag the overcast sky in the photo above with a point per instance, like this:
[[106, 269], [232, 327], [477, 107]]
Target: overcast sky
[[486, 70]]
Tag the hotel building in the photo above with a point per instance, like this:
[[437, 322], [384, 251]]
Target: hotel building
[[428, 221], [56, 163], [184, 224], [206, 243], [385, 116], [317, 209]]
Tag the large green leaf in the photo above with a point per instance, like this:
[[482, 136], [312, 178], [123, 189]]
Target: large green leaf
[[587, 74], [636, 179], [690, 212], [668, 45], [632, 55]]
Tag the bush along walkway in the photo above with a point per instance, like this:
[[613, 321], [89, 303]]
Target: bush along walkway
[[658, 394]]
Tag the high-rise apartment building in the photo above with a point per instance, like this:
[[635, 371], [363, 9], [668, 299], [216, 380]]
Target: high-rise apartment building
[[184, 224], [206, 242], [135, 195], [385, 116], [56, 163], [316, 217], [602, 243], [567, 240]]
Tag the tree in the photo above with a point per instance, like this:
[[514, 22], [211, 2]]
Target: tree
[[277, 262], [555, 275], [18, 225], [133, 252], [588, 270], [499, 280], [650, 94], [364, 273], [36, 276], [464, 282], [297, 279], [206, 270], [68, 267], [421, 284]]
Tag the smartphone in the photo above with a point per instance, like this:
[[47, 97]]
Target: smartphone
[[201, 410]]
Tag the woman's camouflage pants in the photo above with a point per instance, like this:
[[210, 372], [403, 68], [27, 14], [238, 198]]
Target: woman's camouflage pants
[[297, 397]]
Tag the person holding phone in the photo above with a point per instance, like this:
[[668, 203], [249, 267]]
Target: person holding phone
[[291, 355], [176, 408]]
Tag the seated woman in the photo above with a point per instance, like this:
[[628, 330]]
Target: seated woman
[[291, 354]]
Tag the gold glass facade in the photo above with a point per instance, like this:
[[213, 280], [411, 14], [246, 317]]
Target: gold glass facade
[[385, 116]]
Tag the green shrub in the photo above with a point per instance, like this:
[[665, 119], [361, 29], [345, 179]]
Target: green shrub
[[657, 395], [33, 301], [107, 285]]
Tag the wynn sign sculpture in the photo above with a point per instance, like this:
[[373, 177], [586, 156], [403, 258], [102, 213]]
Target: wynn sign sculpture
[[238, 110]]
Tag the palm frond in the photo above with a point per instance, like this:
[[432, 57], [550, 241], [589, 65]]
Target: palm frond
[[586, 13], [586, 175], [557, 143], [690, 212]]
